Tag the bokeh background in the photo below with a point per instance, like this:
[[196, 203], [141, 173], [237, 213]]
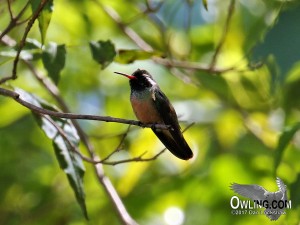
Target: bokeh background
[[242, 106]]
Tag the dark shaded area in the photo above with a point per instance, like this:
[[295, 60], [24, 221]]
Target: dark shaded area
[[283, 41]]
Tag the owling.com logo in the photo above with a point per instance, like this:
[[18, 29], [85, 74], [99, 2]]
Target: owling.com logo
[[274, 203]]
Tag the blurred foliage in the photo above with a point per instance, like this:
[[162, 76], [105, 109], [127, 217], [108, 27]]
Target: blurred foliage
[[246, 117]]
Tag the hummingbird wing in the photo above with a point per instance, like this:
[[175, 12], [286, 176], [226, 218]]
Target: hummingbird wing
[[172, 138], [252, 191]]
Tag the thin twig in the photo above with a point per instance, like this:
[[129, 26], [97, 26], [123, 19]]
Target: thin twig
[[14, 21], [64, 136], [145, 12], [191, 65], [140, 157], [23, 40], [135, 159], [9, 10], [124, 135], [224, 34], [39, 110], [126, 30], [166, 62]]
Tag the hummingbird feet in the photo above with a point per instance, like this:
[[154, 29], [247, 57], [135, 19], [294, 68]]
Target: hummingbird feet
[[140, 124], [154, 127]]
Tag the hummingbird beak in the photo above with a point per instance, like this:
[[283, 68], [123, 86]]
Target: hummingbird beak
[[126, 75]]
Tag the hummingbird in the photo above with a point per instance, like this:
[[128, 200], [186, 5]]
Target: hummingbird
[[151, 106]]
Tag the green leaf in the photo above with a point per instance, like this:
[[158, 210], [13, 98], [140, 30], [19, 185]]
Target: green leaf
[[32, 47], [69, 161], [103, 52], [31, 44], [44, 17], [294, 192], [30, 51], [215, 83], [204, 2], [284, 140], [291, 89], [63, 145], [129, 56], [54, 58]]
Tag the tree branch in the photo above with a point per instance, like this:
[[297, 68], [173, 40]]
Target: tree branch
[[126, 30], [39, 110], [139, 41], [105, 182], [118, 148], [14, 21], [191, 65], [225, 31], [140, 157], [23, 40], [134, 159]]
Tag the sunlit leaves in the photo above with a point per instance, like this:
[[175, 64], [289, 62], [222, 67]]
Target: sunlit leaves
[[103, 52], [54, 58], [64, 139], [234, 140], [30, 51], [44, 16]]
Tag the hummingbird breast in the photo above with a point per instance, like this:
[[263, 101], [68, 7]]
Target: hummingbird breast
[[144, 108]]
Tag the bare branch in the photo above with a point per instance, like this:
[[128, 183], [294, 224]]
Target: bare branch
[[140, 157], [64, 136], [23, 40], [124, 216], [14, 21], [225, 31], [39, 110], [9, 10], [127, 30], [166, 62], [118, 148], [135, 159], [191, 65]]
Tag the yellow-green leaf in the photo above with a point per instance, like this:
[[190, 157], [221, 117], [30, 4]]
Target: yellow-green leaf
[[63, 145], [103, 52], [44, 16]]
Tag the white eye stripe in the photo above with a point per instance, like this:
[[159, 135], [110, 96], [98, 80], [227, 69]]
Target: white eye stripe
[[152, 82]]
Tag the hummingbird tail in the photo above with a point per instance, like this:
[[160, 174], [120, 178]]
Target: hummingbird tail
[[177, 147]]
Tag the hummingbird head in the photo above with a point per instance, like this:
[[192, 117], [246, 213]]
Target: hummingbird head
[[140, 80]]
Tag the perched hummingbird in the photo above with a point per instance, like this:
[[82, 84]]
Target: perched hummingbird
[[151, 105]]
